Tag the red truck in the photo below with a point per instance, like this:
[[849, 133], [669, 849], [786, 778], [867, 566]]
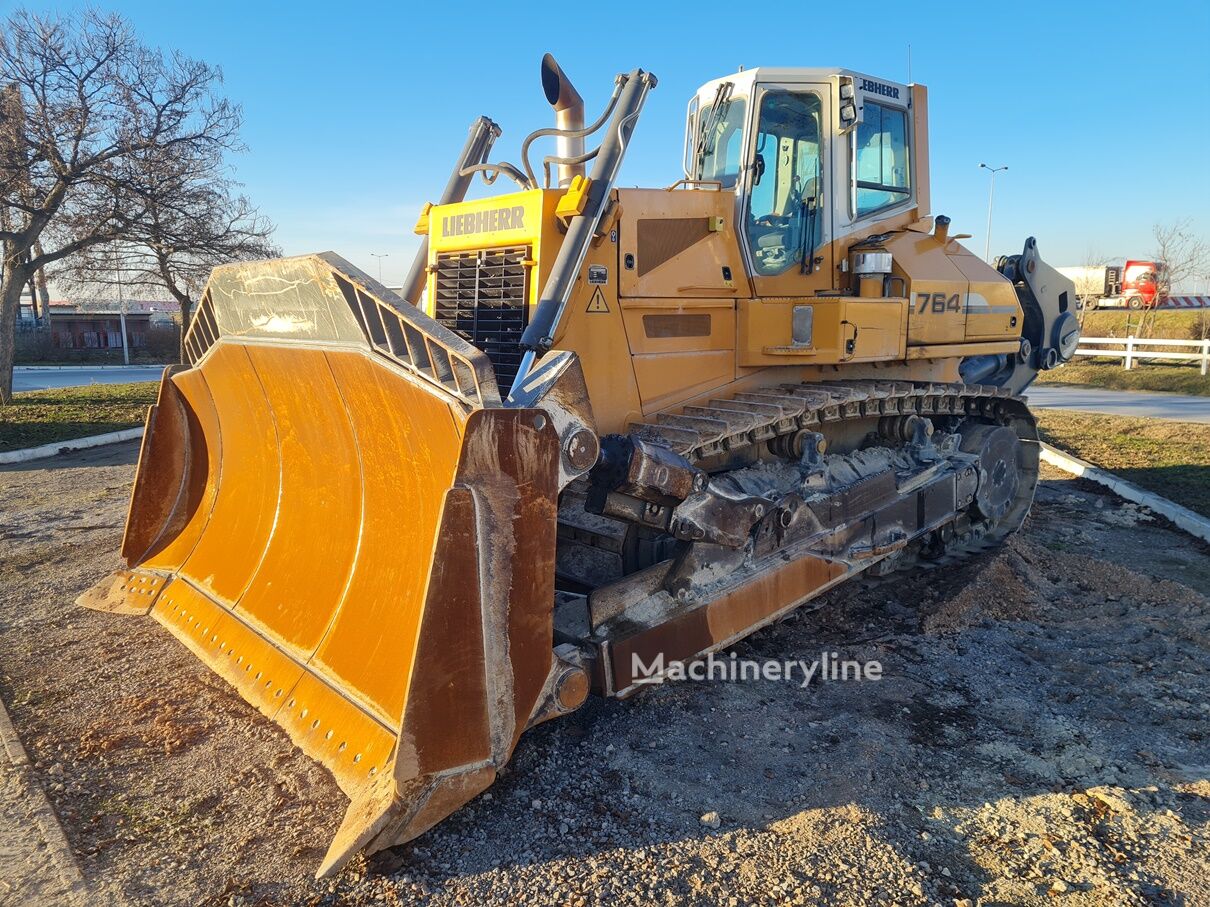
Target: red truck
[[1134, 285]]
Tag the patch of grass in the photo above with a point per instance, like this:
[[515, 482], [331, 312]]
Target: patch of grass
[[1175, 379], [1178, 325], [1170, 458], [44, 417]]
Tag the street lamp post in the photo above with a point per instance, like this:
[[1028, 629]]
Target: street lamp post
[[380, 256], [991, 194], [117, 267]]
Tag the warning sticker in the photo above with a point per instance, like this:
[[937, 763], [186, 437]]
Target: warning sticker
[[598, 274], [597, 303]]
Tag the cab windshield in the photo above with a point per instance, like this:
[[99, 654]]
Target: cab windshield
[[719, 141]]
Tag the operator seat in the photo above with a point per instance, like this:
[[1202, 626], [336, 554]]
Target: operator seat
[[786, 232]]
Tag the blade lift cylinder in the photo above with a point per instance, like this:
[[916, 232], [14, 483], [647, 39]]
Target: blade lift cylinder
[[539, 333], [483, 134]]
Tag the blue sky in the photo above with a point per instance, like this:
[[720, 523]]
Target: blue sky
[[354, 111]]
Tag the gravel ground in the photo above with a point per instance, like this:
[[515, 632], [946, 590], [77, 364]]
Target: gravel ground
[[1038, 737]]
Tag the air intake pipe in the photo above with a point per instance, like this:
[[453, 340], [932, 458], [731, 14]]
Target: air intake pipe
[[569, 117]]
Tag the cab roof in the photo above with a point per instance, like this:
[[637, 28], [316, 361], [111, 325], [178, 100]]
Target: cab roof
[[793, 74]]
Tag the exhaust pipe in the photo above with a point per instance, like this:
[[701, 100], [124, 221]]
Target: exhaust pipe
[[569, 116]]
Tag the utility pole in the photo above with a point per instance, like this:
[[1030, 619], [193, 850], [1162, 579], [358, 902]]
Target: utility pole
[[380, 256], [991, 194]]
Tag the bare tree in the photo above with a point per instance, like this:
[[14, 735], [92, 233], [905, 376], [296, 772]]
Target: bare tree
[[1181, 257], [1201, 330], [85, 108], [1090, 284], [194, 219], [39, 291]]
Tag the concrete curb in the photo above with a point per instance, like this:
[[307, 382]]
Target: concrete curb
[[58, 849], [1192, 523], [58, 447]]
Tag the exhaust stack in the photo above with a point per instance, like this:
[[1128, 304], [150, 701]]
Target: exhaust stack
[[569, 116]]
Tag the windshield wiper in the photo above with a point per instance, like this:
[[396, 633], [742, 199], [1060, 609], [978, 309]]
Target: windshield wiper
[[806, 249], [810, 213], [706, 137]]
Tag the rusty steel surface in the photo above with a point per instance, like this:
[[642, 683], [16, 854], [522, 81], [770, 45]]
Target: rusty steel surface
[[835, 518], [722, 621], [359, 554], [483, 653]]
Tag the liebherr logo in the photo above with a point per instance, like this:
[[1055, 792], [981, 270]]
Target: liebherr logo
[[829, 666], [489, 221], [887, 91]]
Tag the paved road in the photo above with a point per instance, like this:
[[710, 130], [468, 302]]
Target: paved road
[[38, 379], [1120, 403], [1045, 396]]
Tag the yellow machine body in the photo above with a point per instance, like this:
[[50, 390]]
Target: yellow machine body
[[667, 308], [405, 534]]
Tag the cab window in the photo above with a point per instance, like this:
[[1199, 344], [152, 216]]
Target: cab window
[[880, 159], [785, 220], [719, 145]]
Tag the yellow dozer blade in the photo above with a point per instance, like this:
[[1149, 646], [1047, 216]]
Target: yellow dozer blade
[[334, 512]]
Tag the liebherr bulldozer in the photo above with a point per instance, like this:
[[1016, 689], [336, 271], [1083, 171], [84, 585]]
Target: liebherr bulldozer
[[599, 430]]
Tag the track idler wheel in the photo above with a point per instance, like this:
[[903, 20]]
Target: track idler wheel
[[801, 443], [999, 451], [905, 428]]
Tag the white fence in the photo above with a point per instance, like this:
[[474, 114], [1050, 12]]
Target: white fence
[[1133, 349]]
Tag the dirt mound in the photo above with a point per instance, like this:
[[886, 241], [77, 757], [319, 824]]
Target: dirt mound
[[1002, 586]]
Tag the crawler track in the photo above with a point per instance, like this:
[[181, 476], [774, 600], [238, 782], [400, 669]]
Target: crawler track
[[731, 432]]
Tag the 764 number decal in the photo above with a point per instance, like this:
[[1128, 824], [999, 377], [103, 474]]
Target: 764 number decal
[[937, 303]]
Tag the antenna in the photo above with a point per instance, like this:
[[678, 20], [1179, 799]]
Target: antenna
[[909, 63]]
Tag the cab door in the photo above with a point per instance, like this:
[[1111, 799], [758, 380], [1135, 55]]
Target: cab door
[[784, 210]]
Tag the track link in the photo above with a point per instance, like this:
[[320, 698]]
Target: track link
[[728, 424], [725, 428]]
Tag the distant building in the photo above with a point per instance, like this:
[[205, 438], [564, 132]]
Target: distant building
[[26, 319], [96, 324], [84, 323]]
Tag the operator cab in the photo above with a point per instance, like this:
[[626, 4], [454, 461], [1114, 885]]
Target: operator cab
[[813, 156]]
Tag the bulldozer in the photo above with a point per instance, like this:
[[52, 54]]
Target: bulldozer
[[599, 433]]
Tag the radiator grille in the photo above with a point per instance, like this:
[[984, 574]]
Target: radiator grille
[[483, 296]]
